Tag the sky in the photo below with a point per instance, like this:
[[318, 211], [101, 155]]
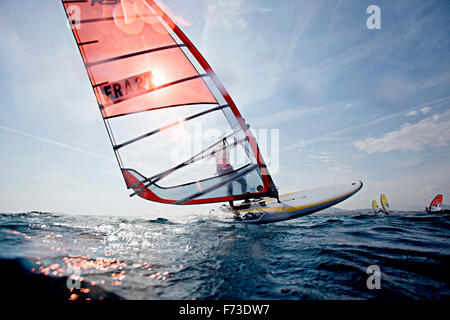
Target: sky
[[349, 102]]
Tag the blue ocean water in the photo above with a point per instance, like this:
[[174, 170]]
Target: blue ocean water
[[322, 256]]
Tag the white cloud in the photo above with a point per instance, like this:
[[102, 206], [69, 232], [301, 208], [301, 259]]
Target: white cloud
[[423, 111], [304, 143], [431, 131]]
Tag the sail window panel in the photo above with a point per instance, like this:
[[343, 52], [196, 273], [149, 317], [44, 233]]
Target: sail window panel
[[111, 41], [165, 66], [134, 125], [205, 164], [233, 188], [252, 179], [204, 168], [188, 92], [150, 156], [169, 148]]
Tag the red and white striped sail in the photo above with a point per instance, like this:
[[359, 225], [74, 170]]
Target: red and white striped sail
[[156, 93]]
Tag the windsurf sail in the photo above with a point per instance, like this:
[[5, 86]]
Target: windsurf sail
[[436, 204], [375, 208], [166, 112], [384, 203]]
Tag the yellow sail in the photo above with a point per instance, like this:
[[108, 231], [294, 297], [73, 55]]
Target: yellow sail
[[384, 203], [374, 206]]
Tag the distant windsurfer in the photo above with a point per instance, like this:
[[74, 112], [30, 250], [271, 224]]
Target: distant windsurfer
[[225, 169]]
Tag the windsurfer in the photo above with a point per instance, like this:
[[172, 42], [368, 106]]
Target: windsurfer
[[224, 168]]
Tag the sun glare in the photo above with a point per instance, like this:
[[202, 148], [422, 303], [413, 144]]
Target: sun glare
[[176, 133], [157, 78]]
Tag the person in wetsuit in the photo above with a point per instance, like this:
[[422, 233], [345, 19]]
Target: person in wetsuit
[[225, 169]]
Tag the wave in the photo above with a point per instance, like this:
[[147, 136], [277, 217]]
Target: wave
[[29, 214], [155, 221]]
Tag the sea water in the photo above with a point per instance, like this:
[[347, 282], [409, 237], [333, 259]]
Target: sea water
[[321, 256]]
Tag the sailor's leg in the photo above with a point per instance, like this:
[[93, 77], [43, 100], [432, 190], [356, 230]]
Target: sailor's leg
[[243, 184], [230, 189]]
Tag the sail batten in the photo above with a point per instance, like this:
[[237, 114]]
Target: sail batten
[[130, 55], [168, 126], [87, 42], [159, 108]]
